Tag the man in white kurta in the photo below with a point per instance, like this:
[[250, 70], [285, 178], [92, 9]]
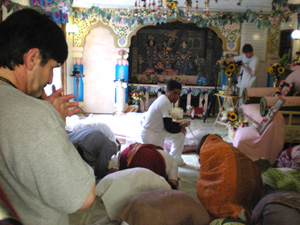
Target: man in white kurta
[[158, 126], [248, 68]]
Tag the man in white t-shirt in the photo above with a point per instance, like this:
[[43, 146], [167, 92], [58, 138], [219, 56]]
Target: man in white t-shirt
[[159, 127], [248, 70]]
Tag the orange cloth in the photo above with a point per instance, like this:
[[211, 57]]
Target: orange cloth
[[229, 181]]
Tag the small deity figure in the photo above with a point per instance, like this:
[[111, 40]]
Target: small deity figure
[[140, 64], [159, 67], [167, 57], [184, 63], [151, 52]]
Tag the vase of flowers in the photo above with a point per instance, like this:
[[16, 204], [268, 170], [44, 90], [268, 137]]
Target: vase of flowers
[[230, 68], [277, 70], [234, 118], [137, 96]]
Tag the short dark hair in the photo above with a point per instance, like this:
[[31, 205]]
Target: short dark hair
[[247, 48], [173, 84], [26, 29], [201, 142]]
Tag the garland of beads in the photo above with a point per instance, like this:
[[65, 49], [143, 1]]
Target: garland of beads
[[206, 7], [279, 91], [183, 58]]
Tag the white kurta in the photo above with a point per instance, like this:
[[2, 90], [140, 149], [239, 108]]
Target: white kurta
[[153, 131], [247, 79]]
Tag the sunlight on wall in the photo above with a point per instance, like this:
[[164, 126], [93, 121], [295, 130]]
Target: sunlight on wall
[[56, 81], [99, 57]]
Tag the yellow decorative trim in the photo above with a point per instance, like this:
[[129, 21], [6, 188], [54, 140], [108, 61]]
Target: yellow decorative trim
[[122, 34], [99, 24]]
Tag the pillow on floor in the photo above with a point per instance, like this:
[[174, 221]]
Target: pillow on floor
[[277, 209], [117, 188], [164, 207]]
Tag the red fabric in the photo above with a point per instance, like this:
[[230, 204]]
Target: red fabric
[[143, 155], [198, 110]]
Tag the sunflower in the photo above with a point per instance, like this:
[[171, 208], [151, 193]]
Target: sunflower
[[270, 70], [171, 4], [231, 67], [174, 4], [280, 70], [233, 117], [228, 73]]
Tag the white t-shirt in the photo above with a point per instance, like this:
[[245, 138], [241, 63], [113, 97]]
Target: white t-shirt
[[159, 109]]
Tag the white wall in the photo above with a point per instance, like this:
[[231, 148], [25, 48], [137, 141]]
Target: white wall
[[99, 58]]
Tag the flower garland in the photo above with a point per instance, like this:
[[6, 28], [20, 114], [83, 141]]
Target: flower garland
[[56, 5], [284, 91], [281, 12], [206, 7], [184, 58]]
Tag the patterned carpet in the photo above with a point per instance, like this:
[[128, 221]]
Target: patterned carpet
[[96, 214]]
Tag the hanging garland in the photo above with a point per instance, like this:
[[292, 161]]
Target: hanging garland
[[281, 13], [56, 5]]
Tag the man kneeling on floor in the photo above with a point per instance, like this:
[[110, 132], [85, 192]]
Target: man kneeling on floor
[[158, 126]]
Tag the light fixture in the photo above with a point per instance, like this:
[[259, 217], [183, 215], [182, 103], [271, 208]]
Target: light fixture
[[72, 28], [296, 33]]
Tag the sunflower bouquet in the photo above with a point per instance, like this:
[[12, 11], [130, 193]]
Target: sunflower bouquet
[[234, 117], [277, 70], [230, 68]]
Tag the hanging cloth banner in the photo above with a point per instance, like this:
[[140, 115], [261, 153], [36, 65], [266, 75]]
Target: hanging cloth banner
[[60, 16]]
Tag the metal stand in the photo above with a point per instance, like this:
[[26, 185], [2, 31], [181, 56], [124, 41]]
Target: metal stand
[[77, 74], [211, 97]]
